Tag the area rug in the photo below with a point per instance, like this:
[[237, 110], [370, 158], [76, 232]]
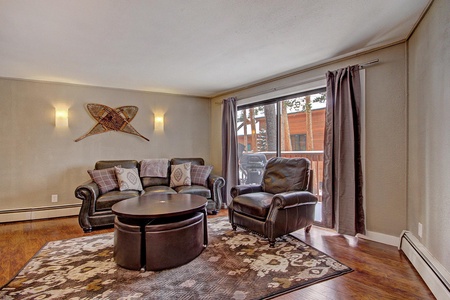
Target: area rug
[[235, 265]]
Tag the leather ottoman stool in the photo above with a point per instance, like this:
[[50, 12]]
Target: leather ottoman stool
[[127, 245], [171, 242]]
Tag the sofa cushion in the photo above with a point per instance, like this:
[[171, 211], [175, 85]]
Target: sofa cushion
[[105, 179], [159, 189], [154, 181], [199, 174], [198, 190], [253, 204], [181, 175], [128, 179], [104, 202]]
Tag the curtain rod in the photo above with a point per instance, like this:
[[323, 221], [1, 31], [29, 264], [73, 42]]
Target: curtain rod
[[369, 63], [361, 66]]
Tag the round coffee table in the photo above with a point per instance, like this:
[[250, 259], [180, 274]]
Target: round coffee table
[[159, 231]]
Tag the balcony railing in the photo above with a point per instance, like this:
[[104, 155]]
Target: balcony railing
[[252, 173]]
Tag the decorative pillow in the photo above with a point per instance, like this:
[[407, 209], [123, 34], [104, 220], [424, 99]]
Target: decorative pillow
[[105, 179], [181, 175], [199, 174], [128, 179]]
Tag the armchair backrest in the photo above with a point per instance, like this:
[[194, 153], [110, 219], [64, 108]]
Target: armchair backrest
[[286, 174]]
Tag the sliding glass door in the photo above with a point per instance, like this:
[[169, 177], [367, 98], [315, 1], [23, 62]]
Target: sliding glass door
[[291, 126]]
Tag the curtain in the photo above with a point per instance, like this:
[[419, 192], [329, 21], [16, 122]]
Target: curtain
[[342, 185], [229, 148]]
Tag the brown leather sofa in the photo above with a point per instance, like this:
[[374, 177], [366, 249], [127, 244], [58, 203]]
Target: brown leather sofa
[[96, 207], [281, 204]]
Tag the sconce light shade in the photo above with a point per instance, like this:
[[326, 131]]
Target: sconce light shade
[[159, 122], [61, 117]]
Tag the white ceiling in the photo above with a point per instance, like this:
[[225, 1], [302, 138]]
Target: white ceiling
[[192, 47]]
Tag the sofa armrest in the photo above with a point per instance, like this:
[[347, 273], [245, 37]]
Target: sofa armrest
[[88, 192], [292, 199], [244, 189], [215, 184]]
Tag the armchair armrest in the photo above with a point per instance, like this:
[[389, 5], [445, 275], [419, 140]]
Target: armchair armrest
[[215, 184], [244, 189], [292, 199], [290, 211]]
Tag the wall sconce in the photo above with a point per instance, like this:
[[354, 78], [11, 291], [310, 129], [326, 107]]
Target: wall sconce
[[61, 117], [159, 122]]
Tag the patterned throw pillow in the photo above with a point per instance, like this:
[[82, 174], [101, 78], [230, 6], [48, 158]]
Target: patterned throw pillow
[[105, 179], [180, 175], [199, 174], [128, 179]]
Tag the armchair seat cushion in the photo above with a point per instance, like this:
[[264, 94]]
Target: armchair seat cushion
[[256, 205], [195, 190], [105, 201]]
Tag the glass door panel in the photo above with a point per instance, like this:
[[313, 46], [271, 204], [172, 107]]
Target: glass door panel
[[257, 137], [302, 127]]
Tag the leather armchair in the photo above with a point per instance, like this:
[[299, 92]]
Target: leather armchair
[[281, 204]]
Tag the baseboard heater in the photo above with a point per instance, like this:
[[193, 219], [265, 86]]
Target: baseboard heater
[[431, 270], [35, 213]]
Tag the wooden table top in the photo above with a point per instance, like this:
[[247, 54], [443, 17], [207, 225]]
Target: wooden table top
[[159, 206]]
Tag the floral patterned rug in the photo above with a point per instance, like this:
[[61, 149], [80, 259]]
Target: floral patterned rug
[[235, 265]]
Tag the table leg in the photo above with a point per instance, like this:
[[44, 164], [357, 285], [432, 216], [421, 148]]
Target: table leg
[[143, 248], [205, 227]]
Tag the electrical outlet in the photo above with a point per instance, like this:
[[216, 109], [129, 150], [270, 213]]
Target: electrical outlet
[[420, 229], [54, 198]]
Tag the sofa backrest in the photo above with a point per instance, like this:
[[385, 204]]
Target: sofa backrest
[[148, 181], [194, 161], [152, 181], [104, 164]]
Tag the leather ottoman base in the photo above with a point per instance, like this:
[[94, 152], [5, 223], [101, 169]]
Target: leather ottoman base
[[173, 244], [158, 244]]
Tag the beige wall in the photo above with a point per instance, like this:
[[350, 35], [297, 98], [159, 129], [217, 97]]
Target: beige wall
[[39, 160], [385, 131], [429, 131]]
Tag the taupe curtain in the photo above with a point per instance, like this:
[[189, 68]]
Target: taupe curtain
[[229, 148], [342, 186]]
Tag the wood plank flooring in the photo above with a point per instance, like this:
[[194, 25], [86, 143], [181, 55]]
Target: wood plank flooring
[[380, 271]]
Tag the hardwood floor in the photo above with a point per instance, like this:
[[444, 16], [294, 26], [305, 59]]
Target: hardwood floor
[[380, 271]]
